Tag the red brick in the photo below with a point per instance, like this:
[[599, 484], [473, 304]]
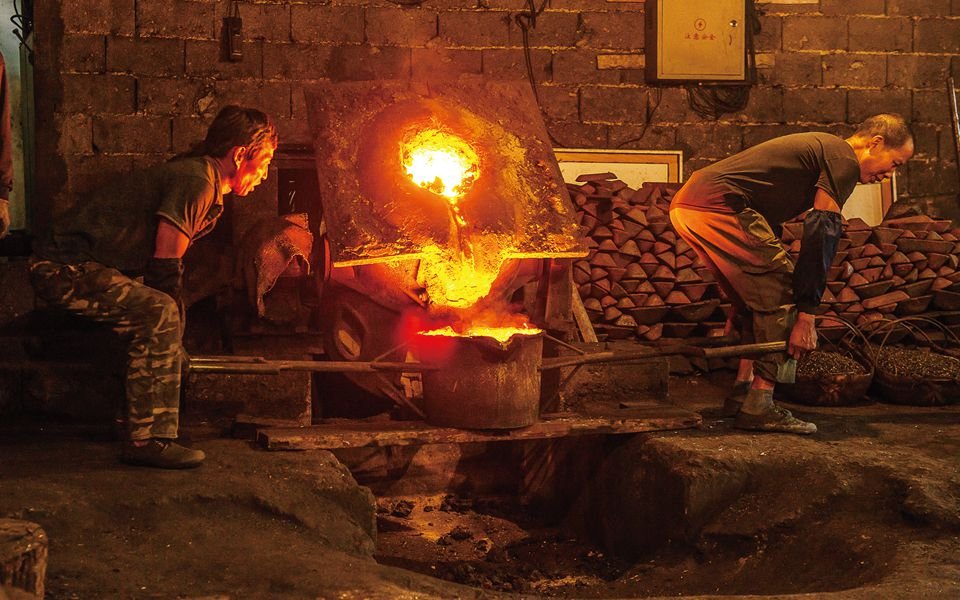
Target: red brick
[[188, 131], [755, 134], [353, 63], [104, 17], [814, 105], [713, 141], [673, 107], [174, 96], [854, 70], [295, 61], [919, 8], [552, 30], [131, 134], [930, 107], [272, 98], [179, 19], [788, 8], [596, 5], [511, 64], [294, 131], [771, 34], [918, 71], [485, 29], [84, 53], [153, 57], [927, 177], [797, 68], [571, 134], [926, 141], [765, 105], [938, 35], [851, 7], [814, 33], [580, 66], [865, 103], [89, 172], [445, 63], [98, 93], [514, 5], [881, 34], [635, 137], [206, 59], [313, 24], [616, 31], [77, 135], [560, 103], [400, 27], [269, 22], [610, 104], [947, 150], [955, 8]]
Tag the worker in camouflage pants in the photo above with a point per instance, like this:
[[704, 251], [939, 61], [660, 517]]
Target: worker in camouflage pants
[[116, 258], [148, 318], [731, 214]]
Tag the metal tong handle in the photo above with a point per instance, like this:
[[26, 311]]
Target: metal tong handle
[[677, 350]]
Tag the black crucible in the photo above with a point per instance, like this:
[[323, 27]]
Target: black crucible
[[484, 383]]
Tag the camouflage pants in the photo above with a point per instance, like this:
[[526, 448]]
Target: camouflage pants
[[753, 269], [146, 319]]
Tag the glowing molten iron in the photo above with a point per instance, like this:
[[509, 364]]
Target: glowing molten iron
[[501, 334], [440, 162]]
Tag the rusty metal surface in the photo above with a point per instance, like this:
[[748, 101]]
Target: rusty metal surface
[[374, 212]]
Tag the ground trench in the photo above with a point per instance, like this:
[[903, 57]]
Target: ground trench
[[755, 533]]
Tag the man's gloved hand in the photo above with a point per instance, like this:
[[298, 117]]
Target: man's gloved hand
[[4, 217], [166, 275]]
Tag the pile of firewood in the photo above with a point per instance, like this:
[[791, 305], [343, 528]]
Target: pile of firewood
[[641, 280]]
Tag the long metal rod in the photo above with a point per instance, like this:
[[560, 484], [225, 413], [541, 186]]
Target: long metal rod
[[954, 116], [256, 364], [609, 357]]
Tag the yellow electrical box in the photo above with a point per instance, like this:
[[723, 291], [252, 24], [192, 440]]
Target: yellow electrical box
[[696, 40]]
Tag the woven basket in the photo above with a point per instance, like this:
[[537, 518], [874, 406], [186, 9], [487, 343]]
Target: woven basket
[[834, 390], [916, 390]]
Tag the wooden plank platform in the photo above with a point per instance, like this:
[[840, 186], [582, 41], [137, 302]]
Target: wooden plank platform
[[351, 433]]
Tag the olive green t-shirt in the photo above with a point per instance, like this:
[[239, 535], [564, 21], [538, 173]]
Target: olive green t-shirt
[[117, 224], [777, 178]]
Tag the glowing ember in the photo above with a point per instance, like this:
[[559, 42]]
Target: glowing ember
[[501, 334], [440, 162]]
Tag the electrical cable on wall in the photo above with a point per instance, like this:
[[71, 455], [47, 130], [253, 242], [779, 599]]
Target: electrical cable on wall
[[22, 20], [714, 101], [527, 20]]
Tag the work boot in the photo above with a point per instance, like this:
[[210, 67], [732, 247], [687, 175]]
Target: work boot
[[162, 454], [734, 400], [776, 419]]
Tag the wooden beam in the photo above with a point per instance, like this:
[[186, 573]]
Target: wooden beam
[[350, 433]]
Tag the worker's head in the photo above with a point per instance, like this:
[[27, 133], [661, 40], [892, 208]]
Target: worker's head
[[882, 143], [243, 139]]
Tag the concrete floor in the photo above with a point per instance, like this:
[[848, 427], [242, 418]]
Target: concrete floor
[[869, 507]]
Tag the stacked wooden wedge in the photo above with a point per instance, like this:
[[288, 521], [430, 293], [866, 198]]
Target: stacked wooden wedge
[[641, 280], [903, 266]]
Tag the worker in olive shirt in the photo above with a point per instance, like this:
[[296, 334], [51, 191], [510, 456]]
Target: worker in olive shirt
[[731, 214], [141, 225]]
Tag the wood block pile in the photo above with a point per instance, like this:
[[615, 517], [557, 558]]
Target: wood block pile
[[642, 281]]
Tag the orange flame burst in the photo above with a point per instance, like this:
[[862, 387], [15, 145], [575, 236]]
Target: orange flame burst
[[440, 162]]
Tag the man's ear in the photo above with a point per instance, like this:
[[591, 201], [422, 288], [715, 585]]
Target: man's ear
[[876, 141], [237, 154]]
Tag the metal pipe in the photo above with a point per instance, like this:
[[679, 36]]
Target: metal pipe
[[609, 357], [259, 365]]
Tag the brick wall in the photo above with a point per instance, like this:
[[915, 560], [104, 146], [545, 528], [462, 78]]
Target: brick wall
[[122, 83]]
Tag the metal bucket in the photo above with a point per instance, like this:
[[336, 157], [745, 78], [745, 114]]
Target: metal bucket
[[486, 384]]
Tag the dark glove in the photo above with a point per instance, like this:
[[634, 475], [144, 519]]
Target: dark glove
[[166, 275], [821, 232]]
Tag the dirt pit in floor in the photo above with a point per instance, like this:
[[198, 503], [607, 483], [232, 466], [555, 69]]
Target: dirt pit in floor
[[495, 544]]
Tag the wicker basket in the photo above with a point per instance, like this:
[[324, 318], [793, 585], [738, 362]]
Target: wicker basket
[[834, 390], [916, 390]]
